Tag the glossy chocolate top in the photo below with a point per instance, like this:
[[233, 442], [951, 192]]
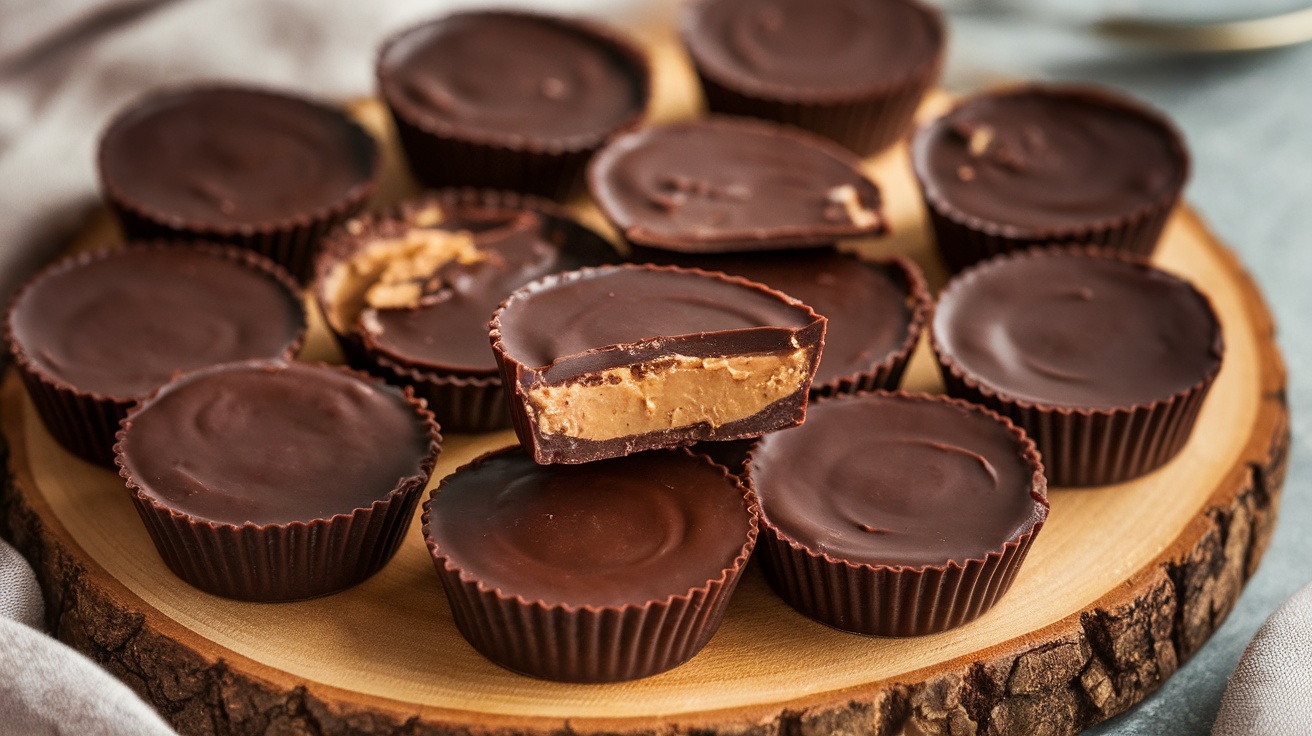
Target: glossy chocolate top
[[227, 157], [507, 75], [868, 304], [1050, 159], [120, 323], [273, 443], [811, 48], [608, 533], [1072, 329], [637, 306], [448, 330], [888, 479], [724, 184]]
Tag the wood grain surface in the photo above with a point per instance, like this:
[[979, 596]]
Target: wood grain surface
[[1122, 585]]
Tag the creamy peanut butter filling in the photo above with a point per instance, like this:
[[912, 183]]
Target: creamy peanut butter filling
[[680, 391], [847, 197], [394, 272]]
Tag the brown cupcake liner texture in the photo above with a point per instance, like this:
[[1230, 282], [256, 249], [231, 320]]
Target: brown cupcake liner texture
[[889, 601], [963, 239], [84, 422], [1086, 447], [896, 600], [442, 157], [1090, 447], [866, 126], [284, 562], [963, 243], [867, 121], [588, 644], [460, 403], [291, 242]]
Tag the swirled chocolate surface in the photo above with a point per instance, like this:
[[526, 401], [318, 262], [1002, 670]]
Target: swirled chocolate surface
[[228, 156], [448, 329], [723, 184], [867, 307], [1077, 330], [811, 46], [892, 480], [122, 323], [273, 443], [607, 533], [590, 309], [1050, 158], [513, 75]]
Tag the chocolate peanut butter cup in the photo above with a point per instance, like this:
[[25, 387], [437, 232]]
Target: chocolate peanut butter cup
[[850, 70], [509, 99], [603, 362], [264, 170], [277, 481], [875, 309], [94, 333], [1102, 358], [896, 514], [600, 572], [731, 184], [1042, 165], [408, 292]]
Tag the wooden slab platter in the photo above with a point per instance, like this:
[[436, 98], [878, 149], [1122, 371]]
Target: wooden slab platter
[[1124, 583]]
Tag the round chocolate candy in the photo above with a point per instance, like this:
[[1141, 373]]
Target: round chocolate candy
[[94, 333], [228, 463], [896, 514], [850, 70], [1039, 165], [606, 571], [1104, 360], [261, 169]]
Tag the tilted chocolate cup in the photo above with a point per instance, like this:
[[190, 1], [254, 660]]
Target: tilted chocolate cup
[[289, 238], [85, 421]]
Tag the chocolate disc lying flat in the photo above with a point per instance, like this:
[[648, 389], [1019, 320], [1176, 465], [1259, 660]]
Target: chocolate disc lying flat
[[230, 158], [613, 360], [273, 443], [1073, 329], [723, 184], [1049, 160]]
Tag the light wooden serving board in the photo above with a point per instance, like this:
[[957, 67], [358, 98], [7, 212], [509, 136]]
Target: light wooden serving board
[[1121, 586]]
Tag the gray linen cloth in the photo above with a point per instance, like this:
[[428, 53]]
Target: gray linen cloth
[[1270, 691], [66, 65]]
